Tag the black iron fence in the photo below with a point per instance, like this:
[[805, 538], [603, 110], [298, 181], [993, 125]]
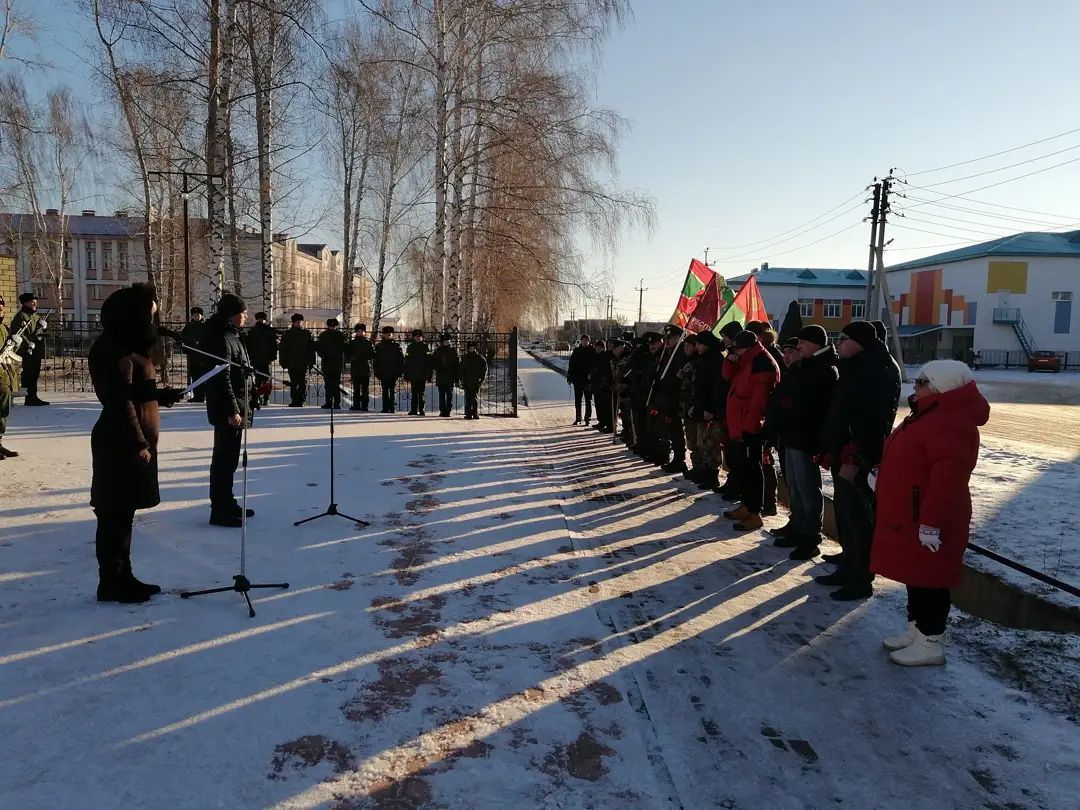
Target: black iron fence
[[992, 358], [65, 368]]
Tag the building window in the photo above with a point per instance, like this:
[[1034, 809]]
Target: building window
[[67, 255], [806, 308], [832, 309], [91, 255], [1061, 296], [106, 260], [858, 310], [121, 261], [1062, 302]]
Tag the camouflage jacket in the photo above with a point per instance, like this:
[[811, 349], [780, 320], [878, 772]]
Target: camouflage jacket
[[687, 376]]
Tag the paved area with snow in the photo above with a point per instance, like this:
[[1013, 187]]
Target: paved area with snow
[[533, 618]]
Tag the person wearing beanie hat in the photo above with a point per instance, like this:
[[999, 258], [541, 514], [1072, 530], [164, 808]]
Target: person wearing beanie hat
[[388, 364], [752, 374], [296, 353], [729, 331], [578, 370], [447, 371], [815, 335], [191, 336], [860, 417], [262, 345], [920, 538], [880, 330], [331, 346], [473, 372], [359, 353], [228, 406], [418, 372]]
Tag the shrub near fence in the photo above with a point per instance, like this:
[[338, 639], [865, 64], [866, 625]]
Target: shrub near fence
[[65, 368]]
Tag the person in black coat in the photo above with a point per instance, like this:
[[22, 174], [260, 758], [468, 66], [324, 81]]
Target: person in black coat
[[418, 372], [262, 345], [447, 369], [710, 403], [360, 353], [124, 439], [296, 352], [197, 364], [577, 374], [228, 406], [473, 372], [330, 347], [601, 380], [388, 365], [860, 418]]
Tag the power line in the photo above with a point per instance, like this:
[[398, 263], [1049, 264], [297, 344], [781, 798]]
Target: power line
[[994, 154], [999, 183], [817, 241], [989, 214], [984, 202], [763, 248], [796, 228], [954, 227], [1003, 168]]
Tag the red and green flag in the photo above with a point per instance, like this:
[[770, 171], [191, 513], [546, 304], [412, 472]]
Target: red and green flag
[[696, 289], [746, 305]]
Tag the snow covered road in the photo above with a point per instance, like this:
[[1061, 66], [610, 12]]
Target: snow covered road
[[534, 618]]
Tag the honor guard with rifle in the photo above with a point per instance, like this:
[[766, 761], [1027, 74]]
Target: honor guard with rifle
[[8, 361], [30, 327]]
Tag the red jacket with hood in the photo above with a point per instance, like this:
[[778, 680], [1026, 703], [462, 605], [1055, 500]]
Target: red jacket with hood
[[753, 376], [923, 480]]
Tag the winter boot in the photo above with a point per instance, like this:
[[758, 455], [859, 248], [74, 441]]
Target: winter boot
[[114, 587], [5, 453], [707, 480], [740, 512], [834, 559], [750, 523], [230, 520], [803, 552], [831, 580], [852, 593], [675, 467], [783, 530], [924, 651], [898, 642], [785, 541], [150, 588]]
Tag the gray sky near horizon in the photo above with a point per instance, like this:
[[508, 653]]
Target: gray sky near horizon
[[750, 119]]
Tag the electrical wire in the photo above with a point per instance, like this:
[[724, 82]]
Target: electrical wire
[[989, 214], [760, 250], [1003, 168], [817, 241], [994, 154], [999, 183], [990, 204], [797, 227], [954, 227]]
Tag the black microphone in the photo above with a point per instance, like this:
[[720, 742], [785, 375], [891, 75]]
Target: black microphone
[[164, 331]]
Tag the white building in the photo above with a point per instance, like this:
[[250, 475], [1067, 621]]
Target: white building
[[830, 298]]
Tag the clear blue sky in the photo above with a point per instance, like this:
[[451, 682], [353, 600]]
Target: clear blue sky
[[748, 119]]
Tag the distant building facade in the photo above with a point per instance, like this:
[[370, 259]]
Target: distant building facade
[[830, 298]]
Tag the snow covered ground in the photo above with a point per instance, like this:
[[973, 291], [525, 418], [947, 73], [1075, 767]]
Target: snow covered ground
[[534, 618]]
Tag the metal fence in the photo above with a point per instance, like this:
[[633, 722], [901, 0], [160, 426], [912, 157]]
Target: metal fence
[[992, 358], [65, 369]]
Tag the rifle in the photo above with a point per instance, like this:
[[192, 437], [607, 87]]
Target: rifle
[[9, 352]]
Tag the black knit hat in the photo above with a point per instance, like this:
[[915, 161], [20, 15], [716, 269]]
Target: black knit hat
[[731, 330], [879, 328], [745, 339], [360, 327], [862, 332], [231, 305], [790, 343], [387, 330], [194, 310], [331, 321], [296, 317], [814, 334], [27, 297]]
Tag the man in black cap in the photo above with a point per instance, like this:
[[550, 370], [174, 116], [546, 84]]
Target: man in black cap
[[7, 384], [330, 347], [418, 372], [860, 418], [577, 375], [664, 408], [643, 371], [262, 345], [297, 354], [447, 367], [600, 380], [360, 353], [228, 406], [388, 365], [473, 372], [197, 364], [32, 347]]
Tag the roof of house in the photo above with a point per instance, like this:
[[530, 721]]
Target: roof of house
[[311, 248], [804, 277], [1029, 243], [77, 225]]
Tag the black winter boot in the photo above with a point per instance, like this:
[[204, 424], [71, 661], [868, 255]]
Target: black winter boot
[[150, 588], [114, 587]]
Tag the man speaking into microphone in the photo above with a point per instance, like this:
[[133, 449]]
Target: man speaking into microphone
[[228, 406]]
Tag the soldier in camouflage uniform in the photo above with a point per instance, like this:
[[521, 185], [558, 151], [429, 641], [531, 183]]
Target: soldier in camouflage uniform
[[639, 382], [7, 386], [710, 401], [665, 406], [621, 370], [690, 419]]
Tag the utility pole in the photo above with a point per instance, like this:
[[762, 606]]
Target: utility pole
[[641, 290], [869, 302], [881, 284]]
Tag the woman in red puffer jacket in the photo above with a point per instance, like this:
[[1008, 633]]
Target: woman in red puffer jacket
[[924, 504]]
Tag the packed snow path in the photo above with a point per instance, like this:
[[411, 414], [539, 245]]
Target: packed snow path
[[534, 618]]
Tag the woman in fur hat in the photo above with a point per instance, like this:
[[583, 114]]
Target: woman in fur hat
[[924, 504]]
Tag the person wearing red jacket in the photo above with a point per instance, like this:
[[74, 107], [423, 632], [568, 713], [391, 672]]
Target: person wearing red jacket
[[753, 374], [924, 504]]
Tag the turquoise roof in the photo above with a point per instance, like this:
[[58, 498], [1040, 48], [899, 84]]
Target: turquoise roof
[[1031, 243], [804, 277]]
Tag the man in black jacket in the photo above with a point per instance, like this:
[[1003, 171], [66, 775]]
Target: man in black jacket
[[710, 402], [577, 375], [388, 365], [297, 354], [330, 347], [262, 345], [197, 364], [228, 406], [447, 367], [418, 372], [600, 382], [473, 372], [796, 415], [859, 419], [664, 408], [360, 354]]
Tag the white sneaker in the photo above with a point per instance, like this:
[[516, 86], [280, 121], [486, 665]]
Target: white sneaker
[[905, 639], [924, 651]]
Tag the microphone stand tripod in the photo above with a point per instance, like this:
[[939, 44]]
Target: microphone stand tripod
[[332, 509], [241, 584]]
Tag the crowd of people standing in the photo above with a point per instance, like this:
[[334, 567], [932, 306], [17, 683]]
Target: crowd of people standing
[[741, 406]]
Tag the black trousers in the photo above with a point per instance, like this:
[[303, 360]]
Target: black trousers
[[768, 474], [389, 389], [112, 540], [419, 397], [746, 465], [360, 391], [332, 380], [223, 466], [853, 502], [446, 399], [929, 609], [582, 391], [31, 370], [298, 384], [603, 407], [472, 401], [676, 438]]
